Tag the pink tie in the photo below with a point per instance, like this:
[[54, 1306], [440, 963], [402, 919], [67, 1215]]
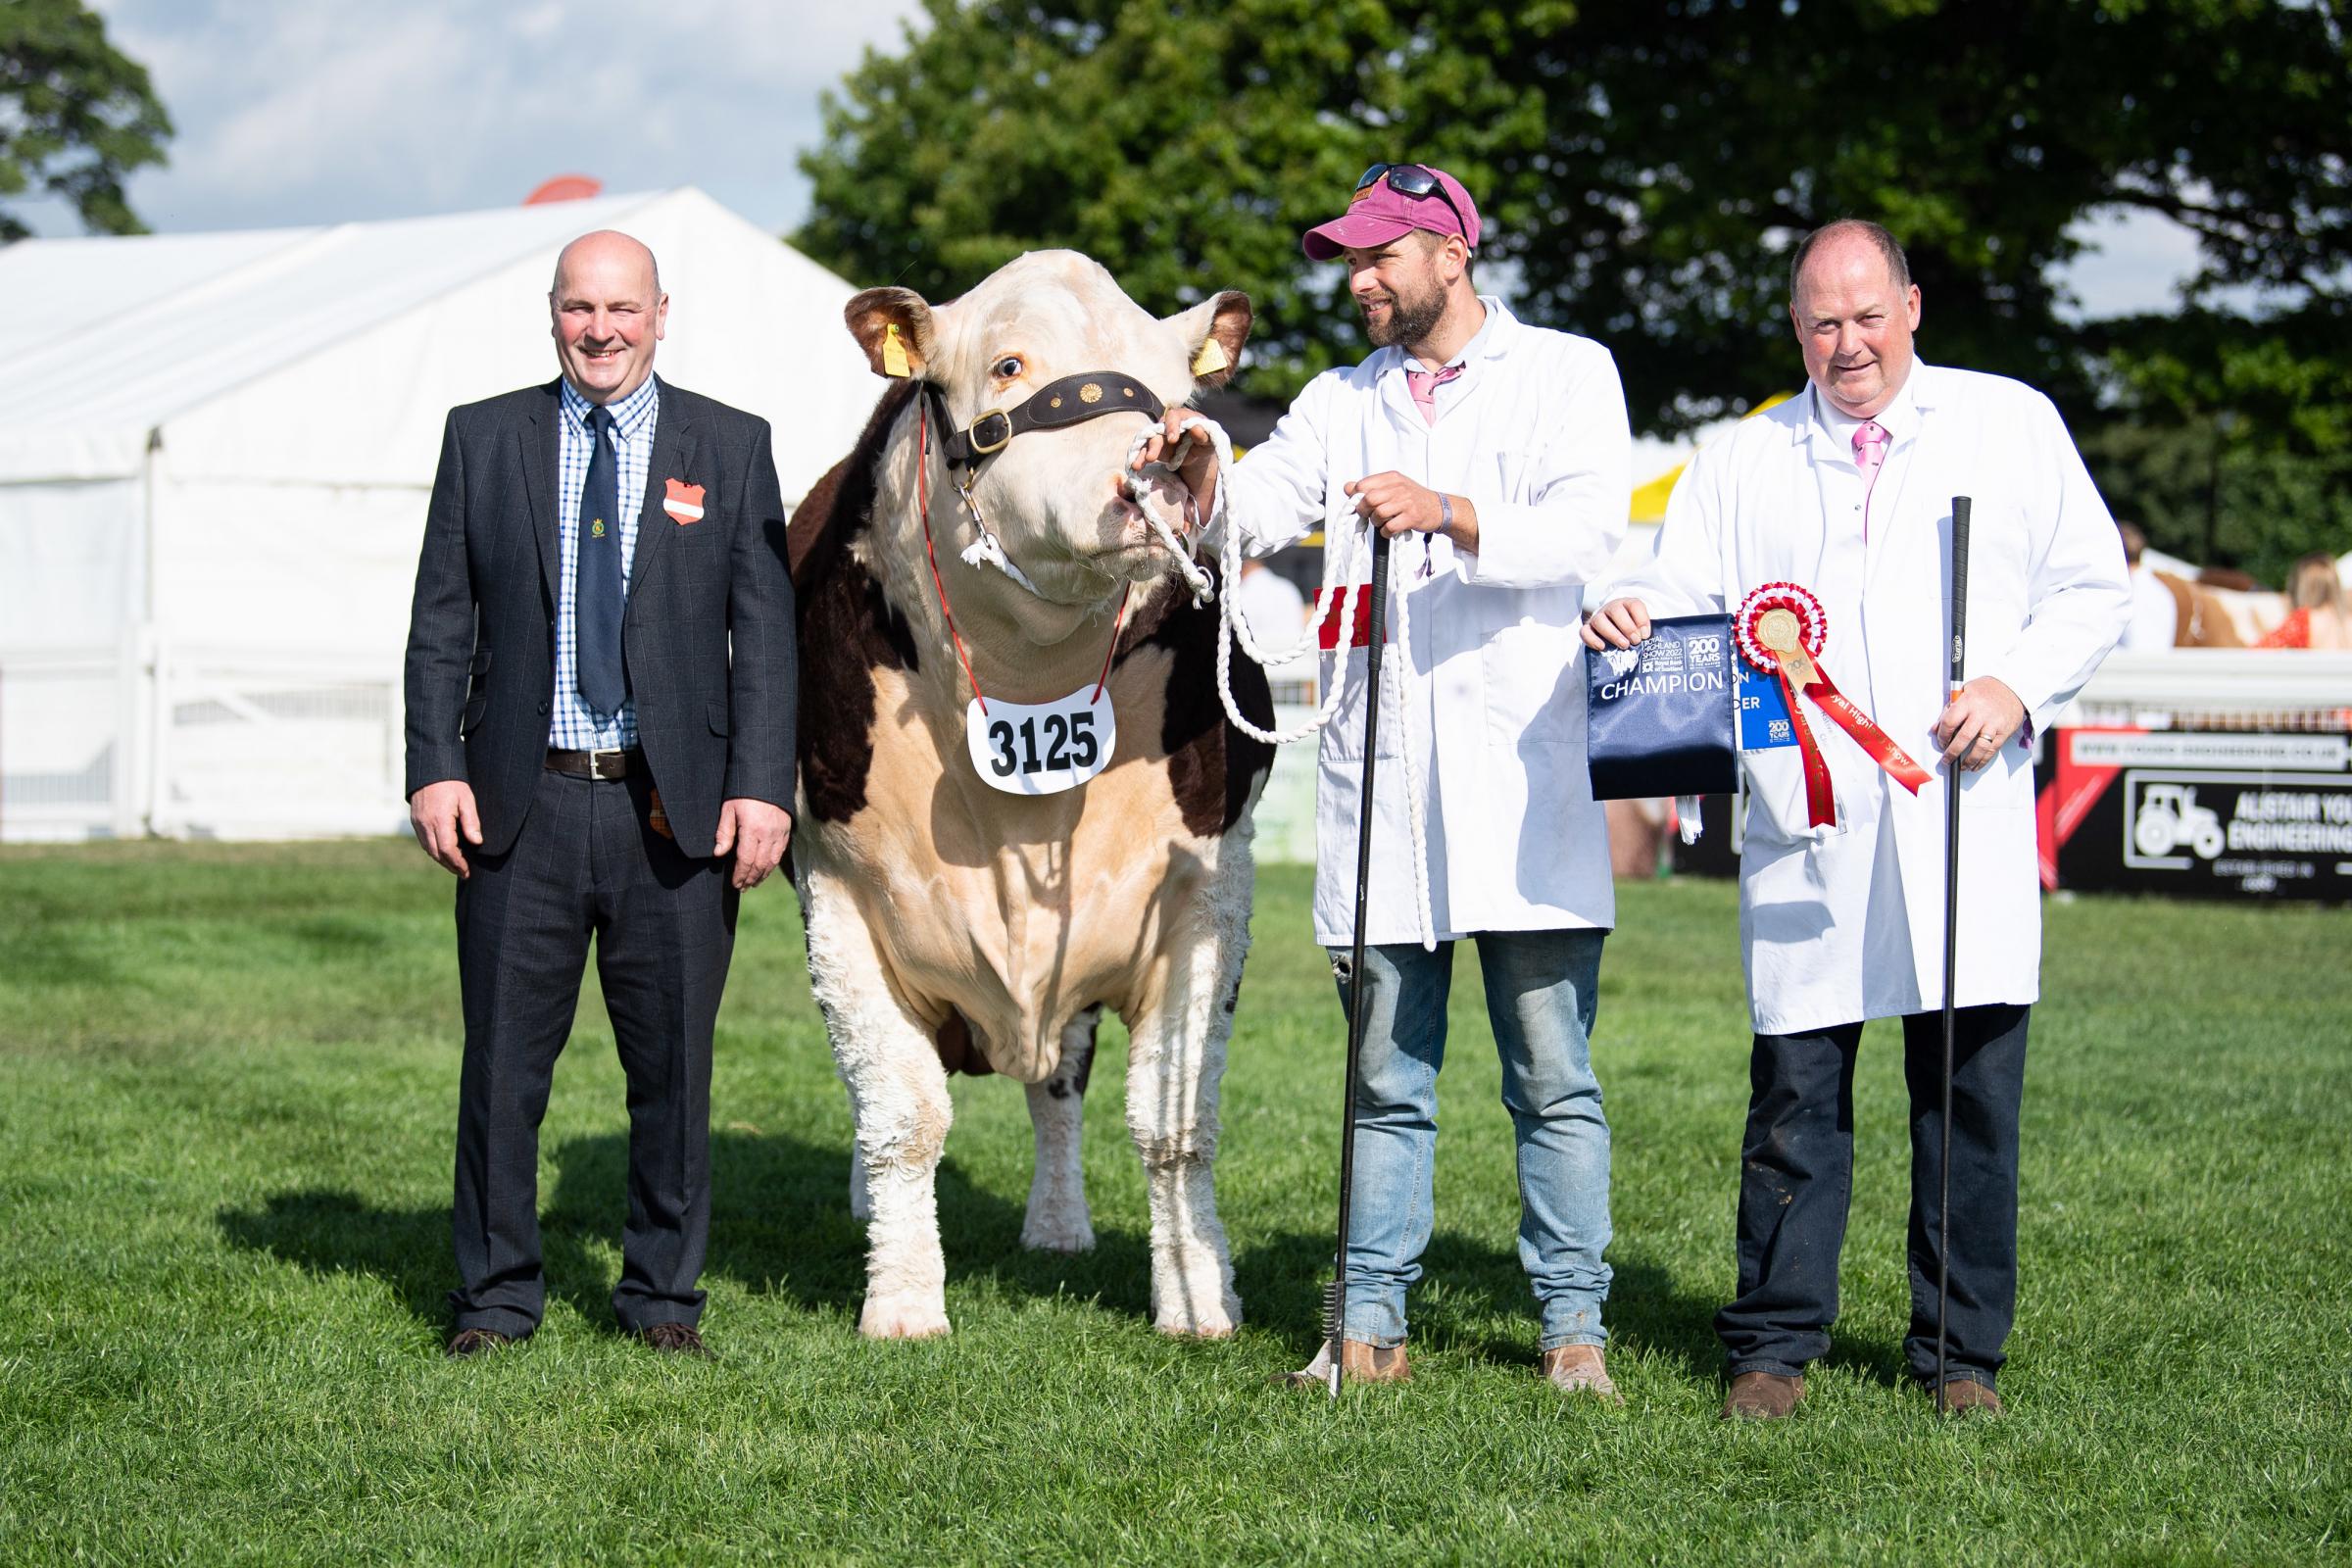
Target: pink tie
[[1423, 385], [1870, 451]]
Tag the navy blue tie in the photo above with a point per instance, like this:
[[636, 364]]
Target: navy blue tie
[[596, 580]]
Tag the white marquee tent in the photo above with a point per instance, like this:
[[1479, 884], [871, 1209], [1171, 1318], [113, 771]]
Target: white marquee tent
[[214, 453]]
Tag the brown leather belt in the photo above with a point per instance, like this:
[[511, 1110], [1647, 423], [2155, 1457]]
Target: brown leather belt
[[595, 764]]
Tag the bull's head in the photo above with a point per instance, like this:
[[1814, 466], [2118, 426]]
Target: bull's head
[[1056, 496]]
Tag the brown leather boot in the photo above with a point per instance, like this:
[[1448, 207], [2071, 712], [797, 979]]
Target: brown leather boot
[[1360, 1362], [467, 1344], [676, 1339], [1580, 1369], [1762, 1397], [1966, 1397]]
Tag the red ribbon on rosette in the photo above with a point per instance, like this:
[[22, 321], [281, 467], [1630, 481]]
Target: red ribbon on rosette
[[1781, 629]]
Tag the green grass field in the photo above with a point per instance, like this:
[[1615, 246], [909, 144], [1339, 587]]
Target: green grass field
[[227, 1081]]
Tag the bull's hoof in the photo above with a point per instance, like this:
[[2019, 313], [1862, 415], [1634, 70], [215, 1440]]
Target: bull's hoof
[[907, 1316], [1059, 1235], [1218, 1324]]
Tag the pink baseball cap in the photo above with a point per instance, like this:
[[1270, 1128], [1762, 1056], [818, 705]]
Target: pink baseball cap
[[1382, 212]]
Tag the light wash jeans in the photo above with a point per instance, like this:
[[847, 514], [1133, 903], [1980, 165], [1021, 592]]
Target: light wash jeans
[[1540, 999]]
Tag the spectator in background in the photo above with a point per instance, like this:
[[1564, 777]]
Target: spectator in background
[[2154, 618], [2317, 616]]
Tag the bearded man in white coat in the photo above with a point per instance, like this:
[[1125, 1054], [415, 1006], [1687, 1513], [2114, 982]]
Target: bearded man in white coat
[[1497, 456], [1847, 491]]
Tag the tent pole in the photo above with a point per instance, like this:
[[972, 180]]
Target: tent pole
[[149, 645]]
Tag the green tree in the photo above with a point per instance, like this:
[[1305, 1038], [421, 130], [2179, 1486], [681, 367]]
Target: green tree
[[76, 115], [2230, 441], [1644, 167]]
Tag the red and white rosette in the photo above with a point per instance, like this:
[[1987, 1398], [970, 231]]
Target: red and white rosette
[[1781, 629]]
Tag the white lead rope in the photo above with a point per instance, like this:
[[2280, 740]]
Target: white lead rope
[[1340, 587]]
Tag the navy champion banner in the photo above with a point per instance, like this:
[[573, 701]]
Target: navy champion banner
[[1660, 715]]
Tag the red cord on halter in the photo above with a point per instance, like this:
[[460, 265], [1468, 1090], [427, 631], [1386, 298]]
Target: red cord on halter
[[1112, 651], [922, 501]]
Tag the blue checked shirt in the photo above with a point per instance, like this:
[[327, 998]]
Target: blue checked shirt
[[575, 727]]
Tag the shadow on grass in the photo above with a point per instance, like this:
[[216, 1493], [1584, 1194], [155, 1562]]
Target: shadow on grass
[[780, 1226], [333, 1232], [1467, 1287]]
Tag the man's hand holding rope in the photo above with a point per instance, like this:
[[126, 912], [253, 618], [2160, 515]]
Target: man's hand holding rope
[[1192, 454], [1395, 505]]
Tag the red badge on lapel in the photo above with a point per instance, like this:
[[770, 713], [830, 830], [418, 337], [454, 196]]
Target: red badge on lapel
[[683, 501]]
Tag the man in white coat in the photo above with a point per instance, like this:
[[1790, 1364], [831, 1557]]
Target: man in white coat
[[1497, 457], [1847, 491]]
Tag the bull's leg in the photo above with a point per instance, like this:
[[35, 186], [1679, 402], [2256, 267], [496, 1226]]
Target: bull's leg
[[862, 1207], [898, 1101], [1058, 1221], [1173, 1072]]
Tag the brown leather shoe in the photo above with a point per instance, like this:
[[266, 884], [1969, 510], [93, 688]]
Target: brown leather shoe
[[1966, 1397], [1762, 1397], [470, 1342], [1580, 1369], [675, 1338], [1360, 1362]]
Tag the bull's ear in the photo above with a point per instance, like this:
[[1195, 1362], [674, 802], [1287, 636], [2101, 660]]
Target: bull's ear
[[894, 327], [1213, 332]]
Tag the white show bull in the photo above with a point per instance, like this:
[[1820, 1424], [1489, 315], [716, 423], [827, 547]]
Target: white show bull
[[953, 925]]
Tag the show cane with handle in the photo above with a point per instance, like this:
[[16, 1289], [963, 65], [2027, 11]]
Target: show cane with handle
[[1335, 1309], [1951, 945]]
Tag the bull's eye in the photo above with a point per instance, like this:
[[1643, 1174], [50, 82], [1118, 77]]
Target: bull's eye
[[1005, 369]]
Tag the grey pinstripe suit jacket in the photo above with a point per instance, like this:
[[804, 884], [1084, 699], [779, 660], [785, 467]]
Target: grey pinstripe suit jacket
[[708, 635]]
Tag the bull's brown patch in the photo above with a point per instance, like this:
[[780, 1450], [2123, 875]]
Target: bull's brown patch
[[958, 1051], [1212, 766], [848, 628]]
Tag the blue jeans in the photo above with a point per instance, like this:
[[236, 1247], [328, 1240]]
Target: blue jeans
[[1540, 998]]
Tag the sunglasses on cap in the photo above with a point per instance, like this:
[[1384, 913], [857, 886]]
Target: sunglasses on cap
[[1413, 180]]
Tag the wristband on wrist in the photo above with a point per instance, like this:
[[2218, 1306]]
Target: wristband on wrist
[[1444, 512]]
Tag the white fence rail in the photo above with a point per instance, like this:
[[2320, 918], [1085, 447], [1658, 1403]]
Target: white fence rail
[[198, 742], [2218, 688]]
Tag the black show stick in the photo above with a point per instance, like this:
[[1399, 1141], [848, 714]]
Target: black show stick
[[1335, 1311], [1951, 942]]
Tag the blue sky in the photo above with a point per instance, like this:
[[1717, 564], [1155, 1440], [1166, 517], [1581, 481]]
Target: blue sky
[[296, 112]]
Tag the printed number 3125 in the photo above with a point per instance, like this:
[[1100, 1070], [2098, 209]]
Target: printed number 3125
[[1070, 742]]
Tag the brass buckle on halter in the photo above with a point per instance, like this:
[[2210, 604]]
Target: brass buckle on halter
[[973, 433]]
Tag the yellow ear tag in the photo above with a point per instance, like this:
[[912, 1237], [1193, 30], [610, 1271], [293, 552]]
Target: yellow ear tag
[[893, 353], [1211, 358]]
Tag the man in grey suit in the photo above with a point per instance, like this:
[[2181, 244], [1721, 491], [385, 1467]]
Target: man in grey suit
[[600, 685]]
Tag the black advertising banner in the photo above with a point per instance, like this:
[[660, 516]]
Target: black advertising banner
[[2202, 814]]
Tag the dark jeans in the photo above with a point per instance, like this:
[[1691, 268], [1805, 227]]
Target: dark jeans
[[587, 863], [1797, 1168]]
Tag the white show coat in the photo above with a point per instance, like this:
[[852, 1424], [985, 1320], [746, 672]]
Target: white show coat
[[1534, 434], [1845, 922]]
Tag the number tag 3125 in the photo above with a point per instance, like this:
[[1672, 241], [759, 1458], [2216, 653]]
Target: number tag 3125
[[1041, 748]]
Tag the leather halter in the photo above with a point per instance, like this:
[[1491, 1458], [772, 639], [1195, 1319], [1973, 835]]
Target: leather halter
[[1072, 400]]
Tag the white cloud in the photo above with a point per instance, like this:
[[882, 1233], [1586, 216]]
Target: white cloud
[[291, 112]]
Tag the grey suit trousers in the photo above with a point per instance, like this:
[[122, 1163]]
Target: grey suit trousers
[[587, 864]]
